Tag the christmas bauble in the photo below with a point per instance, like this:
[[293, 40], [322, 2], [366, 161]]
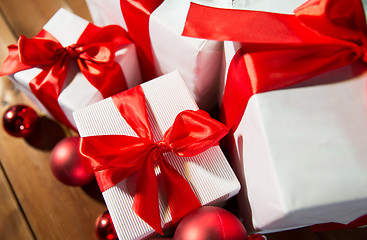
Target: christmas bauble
[[19, 120], [66, 164], [212, 223], [257, 237], [104, 227]]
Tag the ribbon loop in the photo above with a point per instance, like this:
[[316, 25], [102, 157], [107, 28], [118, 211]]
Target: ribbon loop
[[39, 51], [191, 133]]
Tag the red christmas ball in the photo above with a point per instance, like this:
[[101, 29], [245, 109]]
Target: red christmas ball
[[66, 164], [19, 120], [104, 227], [257, 237], [212, 223]]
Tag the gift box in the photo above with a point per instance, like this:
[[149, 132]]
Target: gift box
[[208, 174], [163, 49], [304, 148], [106, 12], [295, 99], [97, 74]]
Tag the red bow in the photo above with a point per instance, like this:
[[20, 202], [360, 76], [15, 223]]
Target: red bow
[[278, 49], [93, 53], [115, 157]]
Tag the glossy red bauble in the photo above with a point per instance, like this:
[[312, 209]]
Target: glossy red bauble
[[104, 227], [19, 120], [212, 223], [257, 237], [66, 164]]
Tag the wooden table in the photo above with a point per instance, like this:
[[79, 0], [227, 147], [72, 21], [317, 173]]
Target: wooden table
[[34, 205]]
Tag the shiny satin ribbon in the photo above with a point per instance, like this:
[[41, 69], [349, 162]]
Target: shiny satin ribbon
[[115, 157], [279, 50], [361, 221], [93, 53], [136, 15]]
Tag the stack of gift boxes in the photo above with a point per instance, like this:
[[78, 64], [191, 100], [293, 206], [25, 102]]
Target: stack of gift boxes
[[287, 79]]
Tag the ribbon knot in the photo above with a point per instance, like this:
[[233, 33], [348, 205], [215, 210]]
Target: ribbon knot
[[162, 147], [72, 51], [115, 157]]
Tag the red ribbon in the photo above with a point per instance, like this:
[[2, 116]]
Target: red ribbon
[[93, 53], [136, 15], [280, 50], [361, 221], [115, 157]]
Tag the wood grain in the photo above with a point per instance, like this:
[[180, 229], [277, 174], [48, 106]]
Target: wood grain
[[53, 210], [27, 17], [13, 225]]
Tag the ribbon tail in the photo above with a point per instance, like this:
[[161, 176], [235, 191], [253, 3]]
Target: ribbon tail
[[48, 92], [146, 204], [12, 62], [180, 196]]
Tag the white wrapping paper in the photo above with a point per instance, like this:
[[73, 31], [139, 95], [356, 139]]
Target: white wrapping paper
[[208, 173], [199, 61], [66, 27], [299, 153], [106, 12]]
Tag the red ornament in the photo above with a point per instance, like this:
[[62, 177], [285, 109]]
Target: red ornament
[[104, 227], [210, 223], [257, 237], [66, 164], [20, 120]]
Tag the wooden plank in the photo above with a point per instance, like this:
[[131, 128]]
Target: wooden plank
[[80, 8], [53, 210], [13, 225], [27, 17]]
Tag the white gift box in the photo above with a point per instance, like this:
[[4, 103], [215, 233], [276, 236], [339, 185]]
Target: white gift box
[[106, 12], [166, 96], [66, 27], [301, 153], [199, 61]]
